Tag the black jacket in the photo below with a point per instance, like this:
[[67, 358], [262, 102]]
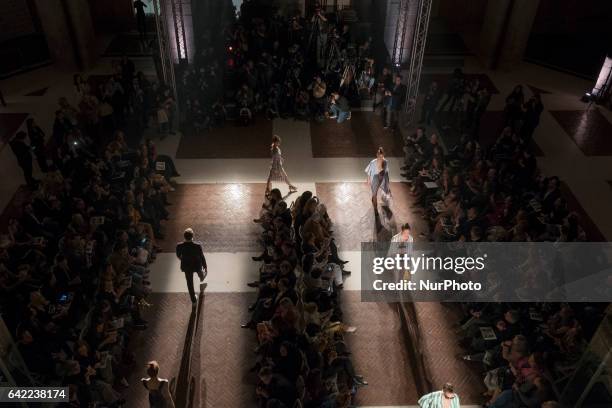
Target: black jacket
[[191, 256], [398, 94], [22, 152]]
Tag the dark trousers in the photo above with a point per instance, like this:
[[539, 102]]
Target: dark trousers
[[26, 166], [427, 114], [141, 22], [189, 279], [391, 115], [41, 159]]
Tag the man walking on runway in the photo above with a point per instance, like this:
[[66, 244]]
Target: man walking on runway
[[192, 261]]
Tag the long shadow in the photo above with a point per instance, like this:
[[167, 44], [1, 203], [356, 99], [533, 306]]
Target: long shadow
[[183, 381], [385, 224]]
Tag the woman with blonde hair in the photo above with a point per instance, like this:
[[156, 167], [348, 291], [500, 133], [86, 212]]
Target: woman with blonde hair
[[159, 393], [277, 172]]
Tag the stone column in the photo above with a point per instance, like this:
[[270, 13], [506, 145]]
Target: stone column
[[82, 23], [505, 31], [68, 29], [57, 33], [517, 35]]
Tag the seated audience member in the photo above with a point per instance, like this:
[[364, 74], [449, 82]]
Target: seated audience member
[[74, 261]]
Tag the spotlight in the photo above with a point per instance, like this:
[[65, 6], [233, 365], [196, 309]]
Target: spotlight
[[586, 98], [604, 80], [230, 48]]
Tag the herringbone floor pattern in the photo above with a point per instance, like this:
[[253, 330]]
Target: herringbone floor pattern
[[440, 348], [163, 341], [358, 137], [227, 352], [379, 353], [220, 214], [350, 207]]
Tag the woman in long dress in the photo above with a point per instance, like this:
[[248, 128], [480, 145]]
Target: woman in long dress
[[277, 172], [378, 178], [159, 393]]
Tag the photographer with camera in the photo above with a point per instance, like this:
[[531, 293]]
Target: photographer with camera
[[340, 108]]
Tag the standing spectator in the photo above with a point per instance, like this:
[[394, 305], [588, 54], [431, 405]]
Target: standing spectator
[[454, 92], [141, 19], [162, 121], [61, 127], [429, 104], [394, 100], [24, 157], [37, 143], [318, 88], [127, 73], [533, 109], [484, 97], [385, 81], [81, 87]]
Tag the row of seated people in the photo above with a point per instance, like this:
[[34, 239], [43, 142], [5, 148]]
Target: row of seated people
[[476, 193], [495, 194], [302, 356], [525, 349], [270, 68], [73, 265]]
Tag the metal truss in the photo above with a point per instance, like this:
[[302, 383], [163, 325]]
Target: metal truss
[[165, 56], [179, 29], [416, 57], [400, 33]]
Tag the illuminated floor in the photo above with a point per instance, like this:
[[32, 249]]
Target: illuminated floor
[[219, 197]]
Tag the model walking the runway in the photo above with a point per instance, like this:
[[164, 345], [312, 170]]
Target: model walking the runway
[[277, 172], [378, 178]]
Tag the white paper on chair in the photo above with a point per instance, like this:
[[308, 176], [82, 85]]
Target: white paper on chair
[[536, 316], [430, 184], [439, 206], [488, 333], [160, 166], [117, 323]]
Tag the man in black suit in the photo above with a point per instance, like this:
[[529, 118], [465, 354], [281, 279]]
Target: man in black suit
[[192, 260], [24, 157]]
